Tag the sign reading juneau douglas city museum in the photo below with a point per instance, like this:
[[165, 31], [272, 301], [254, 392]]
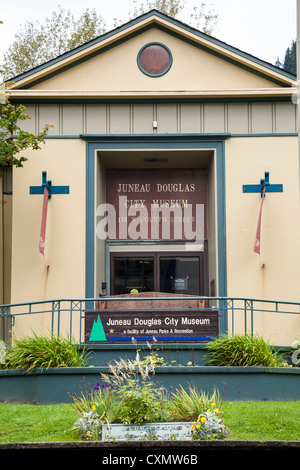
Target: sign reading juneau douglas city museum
[[154, 204], [124, 325]]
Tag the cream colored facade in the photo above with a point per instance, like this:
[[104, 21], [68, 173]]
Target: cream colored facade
[[216, 108]]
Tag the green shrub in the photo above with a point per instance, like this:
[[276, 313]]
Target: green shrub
[[153, 359], [140, 403], [242, 350], [189, 404], [38, 351]]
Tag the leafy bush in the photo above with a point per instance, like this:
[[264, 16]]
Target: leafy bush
[[38, 351], [242, 350], [141, 400], [153, 359]]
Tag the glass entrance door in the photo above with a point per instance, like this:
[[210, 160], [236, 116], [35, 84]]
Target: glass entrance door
[[132, 273], [179, 274], [157, 272]]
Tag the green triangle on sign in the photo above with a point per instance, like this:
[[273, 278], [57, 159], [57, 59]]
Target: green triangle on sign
[[97, 333]]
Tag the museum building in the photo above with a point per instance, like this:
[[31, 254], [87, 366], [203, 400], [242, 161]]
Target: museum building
[[172, 167]]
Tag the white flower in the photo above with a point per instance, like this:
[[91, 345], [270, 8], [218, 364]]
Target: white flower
[[296, 344]]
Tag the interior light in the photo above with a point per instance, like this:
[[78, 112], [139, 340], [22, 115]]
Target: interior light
[[155, 160]]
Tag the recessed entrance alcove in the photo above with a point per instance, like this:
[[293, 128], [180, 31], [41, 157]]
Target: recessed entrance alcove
[[168, 179]]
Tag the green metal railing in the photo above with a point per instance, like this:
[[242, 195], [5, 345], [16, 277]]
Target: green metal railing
[[66, 316]]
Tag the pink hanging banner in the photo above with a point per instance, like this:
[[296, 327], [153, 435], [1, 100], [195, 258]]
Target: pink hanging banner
[[44, 220], [258, 230]]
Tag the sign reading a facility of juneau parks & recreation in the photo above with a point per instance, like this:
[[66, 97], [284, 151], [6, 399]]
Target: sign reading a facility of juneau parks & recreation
[[166, 325]]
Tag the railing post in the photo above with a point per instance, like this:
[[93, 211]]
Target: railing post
[[71, 318], [55, 308], [6, 323], [75, 306], [251, 303], [58, 317], [52, 318], [248, 305], [80, 322], [223, 323], [232, 316], [10, 323], [245, 316]]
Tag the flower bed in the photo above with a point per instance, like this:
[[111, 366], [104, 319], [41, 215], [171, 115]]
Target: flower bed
[[129, 405], [209, 426]]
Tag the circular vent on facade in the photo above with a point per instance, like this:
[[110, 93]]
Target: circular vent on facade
[[154, 59]]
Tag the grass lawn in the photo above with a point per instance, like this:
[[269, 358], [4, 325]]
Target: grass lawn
[[263, 421], [37, 423], [266, 421]]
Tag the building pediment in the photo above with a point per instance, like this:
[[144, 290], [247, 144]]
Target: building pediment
[[154, 56]]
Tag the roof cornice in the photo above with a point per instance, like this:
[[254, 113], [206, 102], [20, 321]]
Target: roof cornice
[[150, 94], [152, 19]]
